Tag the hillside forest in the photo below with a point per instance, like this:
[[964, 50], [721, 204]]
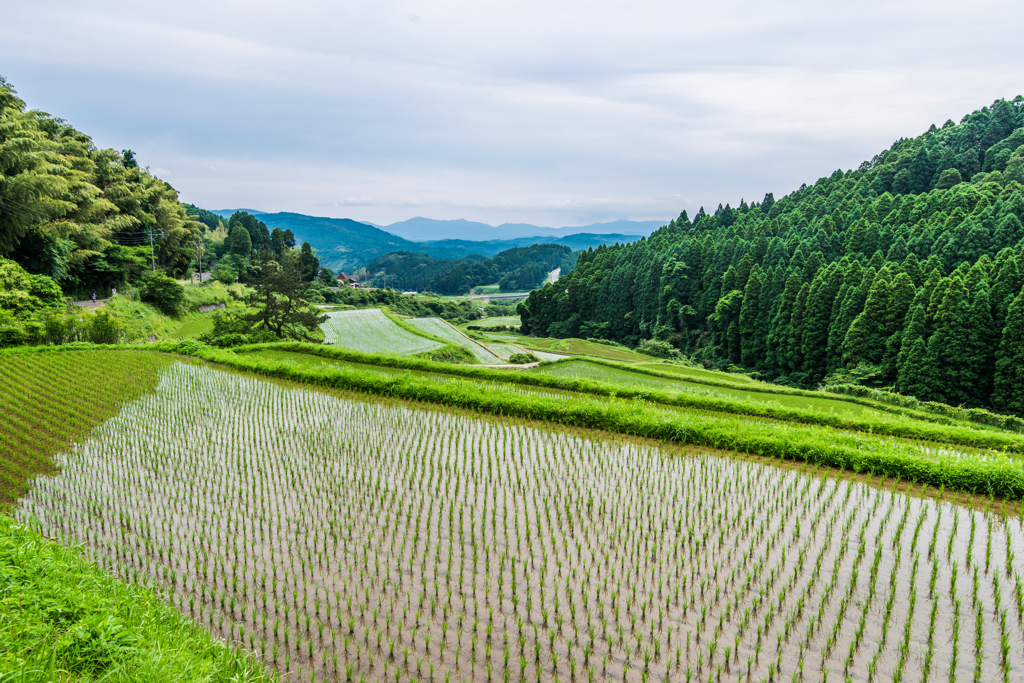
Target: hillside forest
[[80, 215], [906, 273], [515, 269]]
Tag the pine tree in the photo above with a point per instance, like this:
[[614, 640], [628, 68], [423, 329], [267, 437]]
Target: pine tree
[[778, 338], [752, 342], [912, 378], [1008, 383]]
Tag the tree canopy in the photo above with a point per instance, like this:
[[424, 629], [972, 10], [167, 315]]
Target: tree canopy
[[901, 273], [82, 215]]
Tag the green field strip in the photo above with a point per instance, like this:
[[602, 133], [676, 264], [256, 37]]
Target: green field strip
[[442, 329], [584, 369], [371, 331]]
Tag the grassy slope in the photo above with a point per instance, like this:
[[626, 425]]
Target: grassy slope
[[890, 422], [62, 618], [191, 329], [52, 399], [442, 330], [700, 374], [579, 347], [587, 370]]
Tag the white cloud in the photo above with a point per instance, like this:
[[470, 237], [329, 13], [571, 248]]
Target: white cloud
[[556, 113]]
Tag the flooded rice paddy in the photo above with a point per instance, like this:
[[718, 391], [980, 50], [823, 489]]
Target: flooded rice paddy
[[344, 540]]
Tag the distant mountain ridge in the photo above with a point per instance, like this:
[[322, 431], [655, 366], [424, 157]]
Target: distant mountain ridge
[[421, 229], [344, 244]]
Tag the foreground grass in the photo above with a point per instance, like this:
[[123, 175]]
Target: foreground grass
[[50, 400], [62, 618]]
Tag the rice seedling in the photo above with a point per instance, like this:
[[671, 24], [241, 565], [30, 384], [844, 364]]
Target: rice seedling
[[370, 331], [339, 539], [442, 329]]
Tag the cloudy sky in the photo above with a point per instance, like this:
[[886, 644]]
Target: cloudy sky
[[555, 113]]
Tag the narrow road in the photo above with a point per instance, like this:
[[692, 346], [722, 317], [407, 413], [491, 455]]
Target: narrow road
[[89, 303]]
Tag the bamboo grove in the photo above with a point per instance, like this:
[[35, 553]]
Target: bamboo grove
[[80, 215], [906, 273]]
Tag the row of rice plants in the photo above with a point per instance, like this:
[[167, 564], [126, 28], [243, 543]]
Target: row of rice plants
[[49, 400], [370, 331], [994, 472], [341, 540]]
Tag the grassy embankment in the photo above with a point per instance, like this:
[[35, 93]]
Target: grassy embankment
[[65, 619], [878, 423]]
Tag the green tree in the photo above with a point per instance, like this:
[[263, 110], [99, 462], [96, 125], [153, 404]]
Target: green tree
[[163, 292], [239, 241], [277, 302], [752, 342], [912, 377], [309, 264], [1008, 384]]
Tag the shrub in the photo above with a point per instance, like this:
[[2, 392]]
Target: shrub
[[163, 292], [658, 349], [223, 274], [523, 358]]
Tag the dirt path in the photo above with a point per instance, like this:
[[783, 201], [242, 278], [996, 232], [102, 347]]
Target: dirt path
[[89, 303]]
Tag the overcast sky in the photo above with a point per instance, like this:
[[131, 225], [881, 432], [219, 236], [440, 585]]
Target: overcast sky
[[554, 113]]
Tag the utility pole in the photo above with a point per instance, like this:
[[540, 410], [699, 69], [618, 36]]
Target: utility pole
[[152, 254], [200, 259]]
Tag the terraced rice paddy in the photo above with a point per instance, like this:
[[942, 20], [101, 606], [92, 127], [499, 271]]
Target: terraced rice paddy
[[584, 370], [50, 400], [504, 351], [342, 540], [370, 331], [439, 328]]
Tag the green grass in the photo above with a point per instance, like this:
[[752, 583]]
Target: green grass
[[700, 374], [579, 347], [586, 370], [192, 329], [888, 420], [504, 321], [50, 400], [371, 331], [439, 328], [64, 619]]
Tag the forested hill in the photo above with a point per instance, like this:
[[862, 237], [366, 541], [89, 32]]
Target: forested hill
[[905, 272], [514, 269], [81, 215]]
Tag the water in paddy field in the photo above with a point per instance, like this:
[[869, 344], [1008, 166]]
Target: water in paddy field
[[340, 539]]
